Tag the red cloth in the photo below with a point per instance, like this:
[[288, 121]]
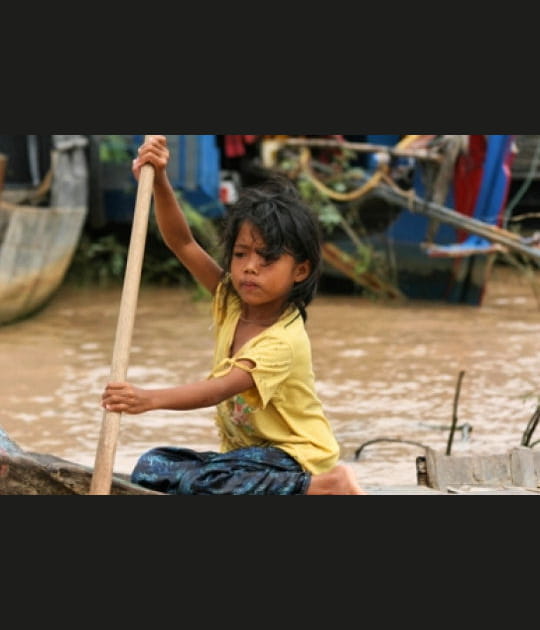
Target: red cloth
[[235, 144], [469, 171]]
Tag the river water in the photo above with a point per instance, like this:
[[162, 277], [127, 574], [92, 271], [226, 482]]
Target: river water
[[386, 373]]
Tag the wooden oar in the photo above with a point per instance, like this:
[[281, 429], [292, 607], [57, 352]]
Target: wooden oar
[[106, 450]]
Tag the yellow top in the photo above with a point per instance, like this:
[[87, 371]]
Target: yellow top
[[282, 410]]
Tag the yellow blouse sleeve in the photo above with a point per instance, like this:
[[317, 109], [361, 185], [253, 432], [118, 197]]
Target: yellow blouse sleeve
[[272, 360]]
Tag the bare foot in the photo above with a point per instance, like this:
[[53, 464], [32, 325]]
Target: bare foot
[[340, 480]]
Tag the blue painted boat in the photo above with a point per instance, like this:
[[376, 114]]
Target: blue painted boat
[[456, 266], [427, 259]]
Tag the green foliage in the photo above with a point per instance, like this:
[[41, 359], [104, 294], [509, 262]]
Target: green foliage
[[327, 211], [116, 148], [364, 259], [102, 259], [204, 229], [98, 261]]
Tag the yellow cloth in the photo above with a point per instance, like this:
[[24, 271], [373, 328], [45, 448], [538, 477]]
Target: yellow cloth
[[282, 409]]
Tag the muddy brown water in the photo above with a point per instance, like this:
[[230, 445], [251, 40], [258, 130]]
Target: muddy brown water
[[385, 372]]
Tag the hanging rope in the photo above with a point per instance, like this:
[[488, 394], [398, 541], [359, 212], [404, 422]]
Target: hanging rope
[[374, 180]]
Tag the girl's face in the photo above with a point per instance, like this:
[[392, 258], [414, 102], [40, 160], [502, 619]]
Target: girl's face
[[257, 280]]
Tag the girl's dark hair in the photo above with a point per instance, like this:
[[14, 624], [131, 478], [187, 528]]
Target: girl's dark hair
[[286, 224]]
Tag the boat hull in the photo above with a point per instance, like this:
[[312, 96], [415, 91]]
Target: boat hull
[[40, 226], [25, 473], [428, 258], [37, 248]]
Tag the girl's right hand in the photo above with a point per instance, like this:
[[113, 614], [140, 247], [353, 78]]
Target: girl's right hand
[[125, 398], [153, 151]]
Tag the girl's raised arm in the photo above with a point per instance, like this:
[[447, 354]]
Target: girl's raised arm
[[170, 218]]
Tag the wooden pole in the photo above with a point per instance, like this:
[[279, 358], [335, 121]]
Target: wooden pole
[[363, 147], [106, 451], [446, 215]]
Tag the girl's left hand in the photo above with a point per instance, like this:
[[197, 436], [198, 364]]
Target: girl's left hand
[[125, 398], [153, 151]]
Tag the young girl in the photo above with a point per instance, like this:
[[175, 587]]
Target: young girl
[[275, 438]]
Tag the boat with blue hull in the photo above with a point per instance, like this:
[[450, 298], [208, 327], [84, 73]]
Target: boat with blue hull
[[459, 262], [444, 258]]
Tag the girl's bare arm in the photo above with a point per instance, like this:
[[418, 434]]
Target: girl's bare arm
[[170, 218], [126, 398]]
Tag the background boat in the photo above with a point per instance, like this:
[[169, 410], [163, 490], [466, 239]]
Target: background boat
[[43, 208], [421, 256]]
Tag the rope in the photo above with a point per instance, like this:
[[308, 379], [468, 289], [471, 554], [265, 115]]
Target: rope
[[305, 156]]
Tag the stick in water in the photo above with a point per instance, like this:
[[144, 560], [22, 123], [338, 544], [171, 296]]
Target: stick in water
[[103, 468]]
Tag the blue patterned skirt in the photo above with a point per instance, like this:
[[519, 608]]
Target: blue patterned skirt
[[253, 470]]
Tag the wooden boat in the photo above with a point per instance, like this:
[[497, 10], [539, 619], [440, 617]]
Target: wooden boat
[[25, 473], [40, 227]]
